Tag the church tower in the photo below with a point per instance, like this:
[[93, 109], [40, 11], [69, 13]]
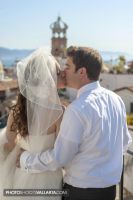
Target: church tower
[[59, 40]]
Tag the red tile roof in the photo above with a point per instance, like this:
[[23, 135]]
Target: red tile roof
[[5, 85], [130, 88]]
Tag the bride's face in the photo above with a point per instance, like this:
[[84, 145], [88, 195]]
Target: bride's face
[[61, 78]]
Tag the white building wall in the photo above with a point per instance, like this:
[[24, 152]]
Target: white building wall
[[115, 81], [109, 81], [127, 97]]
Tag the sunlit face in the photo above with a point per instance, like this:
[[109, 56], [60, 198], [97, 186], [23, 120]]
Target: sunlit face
[[72, 77], [61, 80]]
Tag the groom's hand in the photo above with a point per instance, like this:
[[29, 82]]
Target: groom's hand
[[18, 157]]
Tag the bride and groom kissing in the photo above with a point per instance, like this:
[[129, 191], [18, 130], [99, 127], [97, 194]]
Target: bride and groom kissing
[[87, 139]]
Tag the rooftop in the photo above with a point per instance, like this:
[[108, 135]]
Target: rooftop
[[130, 88], [8, 84]]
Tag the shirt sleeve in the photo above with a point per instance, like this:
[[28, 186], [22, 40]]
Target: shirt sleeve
[[65, 149], [127, 139]]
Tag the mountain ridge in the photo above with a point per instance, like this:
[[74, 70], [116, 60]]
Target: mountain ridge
[[8, 56]]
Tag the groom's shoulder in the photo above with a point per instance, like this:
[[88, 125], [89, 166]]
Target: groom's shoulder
[[76, 105]]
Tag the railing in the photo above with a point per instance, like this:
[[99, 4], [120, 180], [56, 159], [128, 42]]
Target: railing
[[3, 120], [121, 183], [121, 196], [130, 152]]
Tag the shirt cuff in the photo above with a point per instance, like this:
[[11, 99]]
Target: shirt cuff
[[23, 160]]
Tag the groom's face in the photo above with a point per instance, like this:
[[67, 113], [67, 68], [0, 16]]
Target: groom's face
[[72, 78]]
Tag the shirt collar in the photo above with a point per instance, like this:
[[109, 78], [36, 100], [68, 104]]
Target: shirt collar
[[88, 87]]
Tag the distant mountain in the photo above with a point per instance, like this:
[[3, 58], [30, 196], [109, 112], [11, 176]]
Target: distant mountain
[[9, 56], [109, 55]]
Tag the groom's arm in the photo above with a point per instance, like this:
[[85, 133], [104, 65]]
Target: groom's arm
[[65, 149], [63, 152]]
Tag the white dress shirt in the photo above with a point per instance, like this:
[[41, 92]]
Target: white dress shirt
[[91, 141]]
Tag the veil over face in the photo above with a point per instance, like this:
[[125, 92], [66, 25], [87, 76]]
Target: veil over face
[[37, 79]]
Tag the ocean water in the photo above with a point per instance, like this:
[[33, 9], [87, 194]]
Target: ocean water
[[10, 57], [9, 61]]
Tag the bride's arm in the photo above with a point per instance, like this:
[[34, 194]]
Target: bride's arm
[[10, 135]]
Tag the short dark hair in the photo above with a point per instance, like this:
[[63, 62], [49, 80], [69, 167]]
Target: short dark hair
[[86, 57]]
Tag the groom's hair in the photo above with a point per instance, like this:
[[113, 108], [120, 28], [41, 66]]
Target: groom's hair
[[86, 57]]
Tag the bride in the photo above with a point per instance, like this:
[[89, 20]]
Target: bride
[[33, 125]]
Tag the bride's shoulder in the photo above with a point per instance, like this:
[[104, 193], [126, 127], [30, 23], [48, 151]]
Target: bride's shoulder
[[63, 108], [64, 102]]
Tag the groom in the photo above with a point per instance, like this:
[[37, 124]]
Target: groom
[[93, 134]]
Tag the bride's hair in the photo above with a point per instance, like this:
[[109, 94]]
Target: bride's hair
[[20, 108], [37, 80], [19, 123]]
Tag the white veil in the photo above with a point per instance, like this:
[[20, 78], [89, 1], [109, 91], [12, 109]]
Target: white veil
[[37, 79]]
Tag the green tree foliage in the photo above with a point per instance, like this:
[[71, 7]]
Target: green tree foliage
[[120, 66]]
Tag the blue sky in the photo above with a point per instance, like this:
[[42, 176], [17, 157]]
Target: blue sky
[[102, 24]]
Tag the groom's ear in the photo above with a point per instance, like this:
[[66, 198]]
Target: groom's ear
[[82, 72]]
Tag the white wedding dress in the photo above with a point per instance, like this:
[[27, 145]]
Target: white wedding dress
[[12, 177]]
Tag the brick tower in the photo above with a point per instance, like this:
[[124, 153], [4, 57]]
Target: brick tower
[[59, 40]]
